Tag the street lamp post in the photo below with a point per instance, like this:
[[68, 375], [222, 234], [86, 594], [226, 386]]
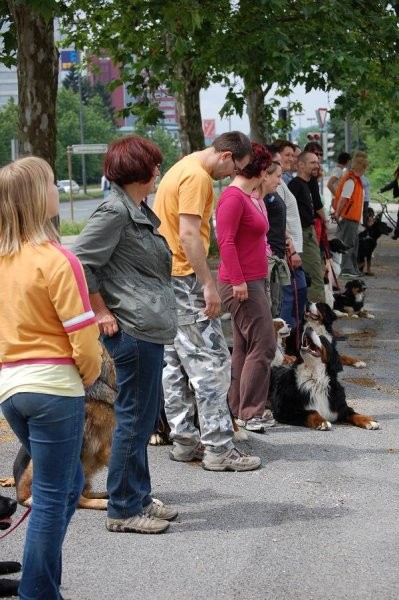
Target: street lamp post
[[84, 179]]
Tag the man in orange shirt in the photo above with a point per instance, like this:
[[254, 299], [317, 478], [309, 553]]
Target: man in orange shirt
[[198, 367]]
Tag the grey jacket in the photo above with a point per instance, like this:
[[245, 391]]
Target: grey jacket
[[129, 263]]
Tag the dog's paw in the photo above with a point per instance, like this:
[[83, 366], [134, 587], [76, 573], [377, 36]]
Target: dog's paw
[[157, 440], [324, 426], [340, 314], [240, 436], [354, 316], [8, 482], [370, 316], [359, 364], [373, 425]]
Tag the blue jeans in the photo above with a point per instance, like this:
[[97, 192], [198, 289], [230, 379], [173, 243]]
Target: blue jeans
[[51, 430], [138, 366], [289, 304]]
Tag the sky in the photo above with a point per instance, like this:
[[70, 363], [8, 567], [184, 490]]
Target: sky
[[213, 98]]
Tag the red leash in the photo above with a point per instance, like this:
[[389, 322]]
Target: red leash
[[26, 513]]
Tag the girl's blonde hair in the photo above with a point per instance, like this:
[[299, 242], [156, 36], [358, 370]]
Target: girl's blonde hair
[[23, 204]]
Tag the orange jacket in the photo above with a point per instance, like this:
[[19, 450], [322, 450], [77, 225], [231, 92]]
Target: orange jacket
[[352, 209]]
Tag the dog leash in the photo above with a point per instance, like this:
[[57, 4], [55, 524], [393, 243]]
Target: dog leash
[[20, 520], [324, 239]]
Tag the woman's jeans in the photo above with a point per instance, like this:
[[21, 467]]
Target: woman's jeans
[[51, 430], [292, 304], [138, 366]]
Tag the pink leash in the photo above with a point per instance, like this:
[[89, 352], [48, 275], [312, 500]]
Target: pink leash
[[26, 513]]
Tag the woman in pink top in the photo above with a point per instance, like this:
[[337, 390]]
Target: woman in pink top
[[241, 226]]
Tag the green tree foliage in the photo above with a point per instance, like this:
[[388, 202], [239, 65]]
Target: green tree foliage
[[8, 130], [272, 45], [169, 147], [383, 155], [98, 129], [159, 43]]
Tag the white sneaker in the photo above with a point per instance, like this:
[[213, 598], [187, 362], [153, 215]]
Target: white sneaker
[[231, 460], [257, 424]]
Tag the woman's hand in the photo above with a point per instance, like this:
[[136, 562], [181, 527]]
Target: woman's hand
[[107, 323], [240, 292]]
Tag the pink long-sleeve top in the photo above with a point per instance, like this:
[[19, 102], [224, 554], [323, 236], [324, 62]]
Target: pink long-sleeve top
[[241, 229]]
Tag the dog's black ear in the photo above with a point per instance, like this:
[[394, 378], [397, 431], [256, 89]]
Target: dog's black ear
[[327, 313], [334, 365]]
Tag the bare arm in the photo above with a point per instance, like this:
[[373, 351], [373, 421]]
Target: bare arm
[[190, 238], [340, 206], [332, 184]]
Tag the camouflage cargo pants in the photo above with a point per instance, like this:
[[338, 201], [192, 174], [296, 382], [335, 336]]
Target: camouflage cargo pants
[[197, 373]]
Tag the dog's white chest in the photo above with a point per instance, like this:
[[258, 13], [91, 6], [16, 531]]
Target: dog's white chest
[[316, 385]]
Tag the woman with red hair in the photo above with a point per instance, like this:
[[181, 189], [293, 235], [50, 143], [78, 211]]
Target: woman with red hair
[[128, 264], [241, 226]]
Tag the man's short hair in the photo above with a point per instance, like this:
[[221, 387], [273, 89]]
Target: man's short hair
[[313, 147], [281, 144], [344, 158], [302, 157], [235, 142], [359, 160]]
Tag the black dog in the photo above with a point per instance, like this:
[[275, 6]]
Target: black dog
[[374, 229], [337, 246], [351, 300], [309, 393], [8, 587]]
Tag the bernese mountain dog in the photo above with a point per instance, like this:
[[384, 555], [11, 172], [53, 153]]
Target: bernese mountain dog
[[309, 393], [351, 300], [321, 318]]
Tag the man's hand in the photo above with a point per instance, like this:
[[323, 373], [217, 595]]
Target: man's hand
[[240, 291], [213, 304]]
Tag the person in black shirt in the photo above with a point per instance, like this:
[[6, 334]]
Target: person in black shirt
[[394, 186], [308, 207]]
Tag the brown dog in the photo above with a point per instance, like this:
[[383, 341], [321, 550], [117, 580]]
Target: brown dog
[[97, 440]]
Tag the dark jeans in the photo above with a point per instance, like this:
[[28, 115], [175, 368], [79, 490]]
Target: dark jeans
[[289, 304], [51, 430], [138, 366]]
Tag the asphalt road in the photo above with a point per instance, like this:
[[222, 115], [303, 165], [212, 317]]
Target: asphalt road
[[318, 521]]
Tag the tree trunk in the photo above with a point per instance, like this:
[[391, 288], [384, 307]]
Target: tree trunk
[[37, 70], [259, 131], [189, 110]]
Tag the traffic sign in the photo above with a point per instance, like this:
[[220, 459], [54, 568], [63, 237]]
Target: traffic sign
[[209, 128], [89, 148], [321, 114]]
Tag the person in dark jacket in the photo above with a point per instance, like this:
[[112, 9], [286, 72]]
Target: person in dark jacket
[[394, 186]]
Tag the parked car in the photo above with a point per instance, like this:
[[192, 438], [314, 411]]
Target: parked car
[[65, 184], [60, 187]]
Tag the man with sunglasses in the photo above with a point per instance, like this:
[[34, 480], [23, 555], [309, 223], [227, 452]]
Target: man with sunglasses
[[197, 374]]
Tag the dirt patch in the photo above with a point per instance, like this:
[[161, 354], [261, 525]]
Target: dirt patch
[[361, 335], [6, 434], [363, 381]]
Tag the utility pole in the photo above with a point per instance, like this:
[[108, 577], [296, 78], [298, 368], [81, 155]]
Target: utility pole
[[348, 134], [84, 179]]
